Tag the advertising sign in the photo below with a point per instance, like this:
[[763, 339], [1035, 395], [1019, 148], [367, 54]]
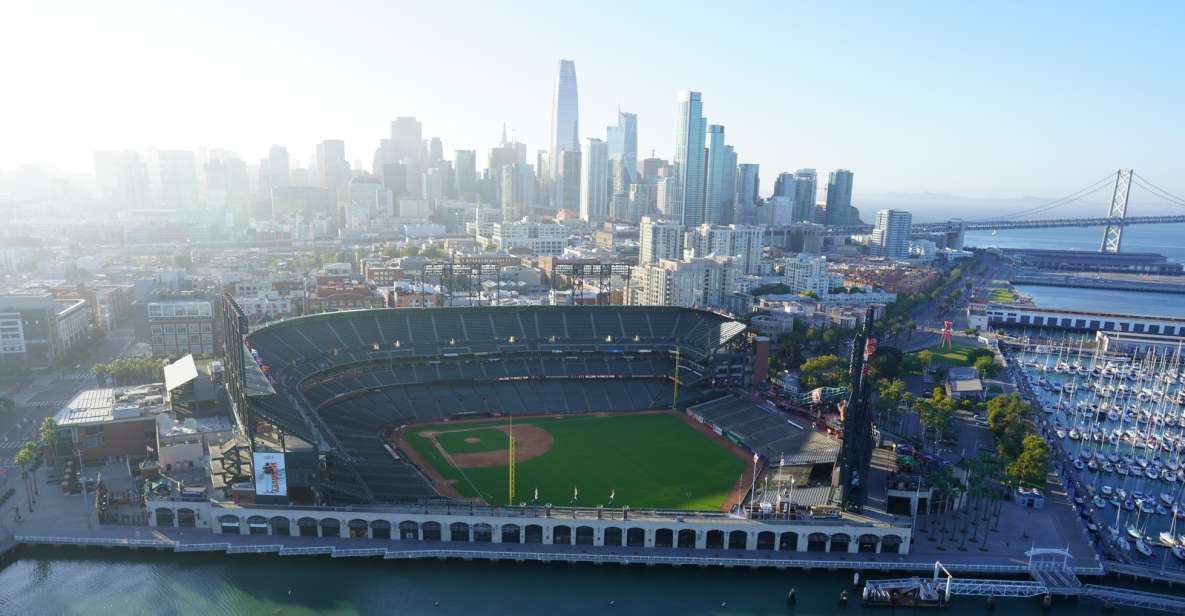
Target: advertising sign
[[270, 475]]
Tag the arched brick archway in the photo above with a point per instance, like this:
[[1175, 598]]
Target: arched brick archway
[[737, 540], [165, 517], [229, 524], [561, 535], [331, 527], [687, 539], [867, 543], [257, 525], [817, 542], [891, 544], [432, 531], [483, 533], [613, 536], [715, 540], [840, 542], [765, 540], [584, 535], [664, 538], [635, 537], [186, 518], [380, 529], [409, 530], [307, 527], [458, 531], [280, 526], [788, 542], [511, 533]]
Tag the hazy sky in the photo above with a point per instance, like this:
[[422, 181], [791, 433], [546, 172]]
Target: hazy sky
[[974, 98]]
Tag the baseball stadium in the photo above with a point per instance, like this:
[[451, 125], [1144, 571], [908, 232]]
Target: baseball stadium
[[470, 431], [571, 406]]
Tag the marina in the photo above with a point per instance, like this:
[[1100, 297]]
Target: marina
[[1118, 421]]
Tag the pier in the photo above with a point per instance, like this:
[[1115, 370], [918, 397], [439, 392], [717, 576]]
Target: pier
[[1051, 575], [1092, 282]]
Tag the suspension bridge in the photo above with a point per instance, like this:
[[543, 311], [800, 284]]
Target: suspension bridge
[[1114, 221]]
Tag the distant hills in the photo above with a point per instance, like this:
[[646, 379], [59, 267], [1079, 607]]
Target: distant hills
[[929, 207]]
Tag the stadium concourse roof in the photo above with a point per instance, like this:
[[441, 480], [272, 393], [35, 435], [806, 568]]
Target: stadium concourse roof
[[461, 330]]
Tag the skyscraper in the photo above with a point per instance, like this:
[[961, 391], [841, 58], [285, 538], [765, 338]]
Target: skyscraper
[[332, 167], [806, 185], [890, 235], [748, 192], [687, 192], [178, 179], [594, 181], [465, 166], [799, 188], [567, 183], [565, 115], [721, 178], [518, 191], [122, 179], [406, 136], [623, 142], [839, 197]]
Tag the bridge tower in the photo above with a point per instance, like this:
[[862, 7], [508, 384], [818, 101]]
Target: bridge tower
[[1117, 213]]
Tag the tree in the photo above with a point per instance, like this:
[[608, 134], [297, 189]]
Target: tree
[[49, 431], [1031, 466], [890, 393], [987, 367], [26, 456], [885, 363], [974, 354], [926, 356], [824, 371]]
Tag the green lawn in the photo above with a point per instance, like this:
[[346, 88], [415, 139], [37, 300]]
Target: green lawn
[[942, 358], [648, 460], [1003, 296]]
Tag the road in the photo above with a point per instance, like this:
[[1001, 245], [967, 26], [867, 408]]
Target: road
[[43, 393]]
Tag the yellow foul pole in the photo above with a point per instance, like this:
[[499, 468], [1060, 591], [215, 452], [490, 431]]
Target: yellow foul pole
[[675, 397], [510, 491]]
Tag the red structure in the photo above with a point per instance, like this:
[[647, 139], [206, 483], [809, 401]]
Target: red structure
[[944, 341]]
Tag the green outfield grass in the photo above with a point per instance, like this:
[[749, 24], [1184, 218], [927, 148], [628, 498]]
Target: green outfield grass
[[648, 460]]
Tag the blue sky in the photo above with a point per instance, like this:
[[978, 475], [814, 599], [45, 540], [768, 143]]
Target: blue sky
[[998, 99]]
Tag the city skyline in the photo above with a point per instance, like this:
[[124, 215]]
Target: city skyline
[[842, 108]]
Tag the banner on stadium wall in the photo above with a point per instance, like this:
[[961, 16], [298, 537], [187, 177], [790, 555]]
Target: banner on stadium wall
[[699, 418], [271, 475], [717, 429], [735, 438]]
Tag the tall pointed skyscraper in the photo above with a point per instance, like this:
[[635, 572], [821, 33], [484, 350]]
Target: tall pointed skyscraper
[[686, 199], [565, 115]]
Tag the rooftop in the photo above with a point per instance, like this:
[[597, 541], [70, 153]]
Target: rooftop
[[106, 405]]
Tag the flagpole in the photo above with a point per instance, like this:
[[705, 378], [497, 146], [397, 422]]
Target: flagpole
[[753, 487]]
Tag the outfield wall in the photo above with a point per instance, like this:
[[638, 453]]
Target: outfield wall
[[538, 525]]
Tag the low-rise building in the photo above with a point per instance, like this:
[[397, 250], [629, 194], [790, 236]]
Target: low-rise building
[[963, 383], [109, 423], [36, 329], [184, 444]]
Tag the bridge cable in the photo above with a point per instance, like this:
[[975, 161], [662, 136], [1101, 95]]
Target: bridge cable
[[1066, 200], [1146, 184]]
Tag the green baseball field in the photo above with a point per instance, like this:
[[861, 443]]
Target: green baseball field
[[644, 460]]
